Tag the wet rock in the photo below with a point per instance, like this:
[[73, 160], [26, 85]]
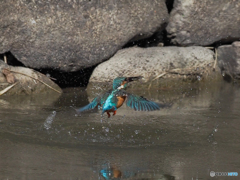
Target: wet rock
[[25, 81], [229, 59], [70, 35], [170, 63], [204, 22]]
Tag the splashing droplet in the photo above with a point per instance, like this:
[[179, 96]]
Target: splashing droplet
[[137, 131], [199, 78], [48, 122]]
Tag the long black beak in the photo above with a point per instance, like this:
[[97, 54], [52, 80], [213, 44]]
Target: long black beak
[[129, 79]]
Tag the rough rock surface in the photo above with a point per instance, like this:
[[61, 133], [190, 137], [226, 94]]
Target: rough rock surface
[[152, 62], [229, 59], [70, 35], [204, 22]]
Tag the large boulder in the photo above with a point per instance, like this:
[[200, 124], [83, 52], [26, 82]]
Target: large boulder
[[70, 35], [177, 62], [229, 59], [204, 22]]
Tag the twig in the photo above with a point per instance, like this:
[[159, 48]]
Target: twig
[[215, 62], [156, 78], [52, 78], [7, 89], [160, 76], [174, 71], [37, 80], [5, 58]]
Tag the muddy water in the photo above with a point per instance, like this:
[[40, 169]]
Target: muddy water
[[42, 138]]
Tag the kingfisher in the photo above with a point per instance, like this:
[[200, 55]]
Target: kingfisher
[[114, 99]]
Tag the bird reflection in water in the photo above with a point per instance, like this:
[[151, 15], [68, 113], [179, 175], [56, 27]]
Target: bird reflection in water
[[109, 172]]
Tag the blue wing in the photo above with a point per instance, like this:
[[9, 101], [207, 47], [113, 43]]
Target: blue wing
[[139, 103], [99, 100]]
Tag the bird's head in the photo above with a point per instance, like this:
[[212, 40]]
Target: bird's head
[[121, 82]]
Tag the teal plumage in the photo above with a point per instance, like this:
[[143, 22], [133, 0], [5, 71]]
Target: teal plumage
[[113, 99], [111, 102], [117, 82]]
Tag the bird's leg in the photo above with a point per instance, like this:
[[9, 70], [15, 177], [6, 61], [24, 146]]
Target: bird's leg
[[108, 114], [114, 113]]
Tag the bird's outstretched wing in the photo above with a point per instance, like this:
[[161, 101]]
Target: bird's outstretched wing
[[99, 100], [139, 103]]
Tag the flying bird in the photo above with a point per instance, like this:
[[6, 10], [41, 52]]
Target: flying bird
[[114, 99]]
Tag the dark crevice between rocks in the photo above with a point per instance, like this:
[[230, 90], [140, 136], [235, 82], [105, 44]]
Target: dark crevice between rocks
[[224, 41], [169, 4], [154, 40], [215, 45], [158, 39], [69, 79], [227, 78], [63, 79], [11, 59], [166, 39]]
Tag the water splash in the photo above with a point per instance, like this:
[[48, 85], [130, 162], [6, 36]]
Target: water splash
[[211, 136], [137, 131], [48, 122]]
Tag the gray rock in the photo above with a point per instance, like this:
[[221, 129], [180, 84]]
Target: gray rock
[[152, 62], [229, 59], [204, 22], [70, 35]]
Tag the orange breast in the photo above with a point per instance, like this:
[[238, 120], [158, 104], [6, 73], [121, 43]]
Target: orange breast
[[120, 101], [117, 173], [124, 82]]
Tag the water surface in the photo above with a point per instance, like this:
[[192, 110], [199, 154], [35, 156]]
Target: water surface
[[41, 137]]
